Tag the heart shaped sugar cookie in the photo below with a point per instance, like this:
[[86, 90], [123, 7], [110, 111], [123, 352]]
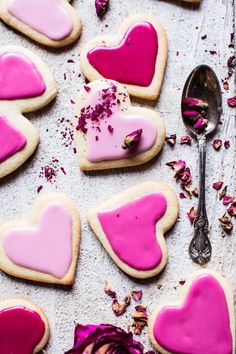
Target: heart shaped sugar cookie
[[45, 247], [111, 133], [26, 84], [131, 226], [135, 57], [201, 322], [24, 327], [53, 23]]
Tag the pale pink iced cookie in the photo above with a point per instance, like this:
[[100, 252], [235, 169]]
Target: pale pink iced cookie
[[132, 224], [136, 56], [201, 321], [26, 85], [111, 133], [53, 23], [24, 327], [45, 246]]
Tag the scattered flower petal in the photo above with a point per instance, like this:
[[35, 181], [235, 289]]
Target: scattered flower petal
[[171, 140], [140, 319], [228, 199], [178, 166], [226, 223], [182, 282], [108, 290], [118, 308], [186, 177], [87, 88], [227, 144], [217, 143], [185, 139], [232, 101], [223, 193], [101, 7], [182, 195], [192, 215], [132, 139], [137, 294], [217, 185], [232, 209]]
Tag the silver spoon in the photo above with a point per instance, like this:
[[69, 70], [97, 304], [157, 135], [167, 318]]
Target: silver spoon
[[203, 84]]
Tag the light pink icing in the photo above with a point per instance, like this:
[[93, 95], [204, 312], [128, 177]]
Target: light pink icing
[[201, 325], [19, 77], [11, 139], [109, 145], [131, 230], [46, 248], [47, 17], [133, 60]]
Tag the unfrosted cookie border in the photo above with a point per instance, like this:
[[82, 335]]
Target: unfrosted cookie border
[[150, 92], [13, 111], [162, 225], [31, 220], [184, 291], [129, 110], [19, 302], [12, 21]]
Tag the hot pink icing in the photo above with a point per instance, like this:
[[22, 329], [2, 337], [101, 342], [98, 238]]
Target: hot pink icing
[[11, 139], [201, 325], [46, 248], [47, 17], [19, 77], [21, 330], [133, 60], [102, 144], [131, 230]]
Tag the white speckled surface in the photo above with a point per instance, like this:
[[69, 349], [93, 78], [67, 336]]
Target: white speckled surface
[[86, 301]]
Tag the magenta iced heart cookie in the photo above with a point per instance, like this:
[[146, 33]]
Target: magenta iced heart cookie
[[202, 321], [26, 85], [111, 133], [131, 227], [24, 327], [45, 246], [135, 57], [53, 23]]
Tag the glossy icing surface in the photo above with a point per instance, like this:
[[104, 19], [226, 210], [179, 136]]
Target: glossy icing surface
[[11, 139], [19, 77], [200, 325], [46, 248], [131, 230], [47, 17], [104, 144], [21, 330], [133, 60]]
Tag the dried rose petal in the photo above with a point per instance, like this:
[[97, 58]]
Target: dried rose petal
[[182, 195], [190, 114], [108, 290], [185, 139], [186, 177], [225, 85], [217, 185], [217, 143], [127, 300], [223, 193], [182, 282], [118, 308], [194, 102], [110, 129], [226, 223], [232, 209], [228, 199], [87, 88], [227, 144], [231, 63], [192, 215], [171, 140], [101, 7], [137, 294], [140, 319], [178, 166], [132, 139], [191, 191], [232, 101], [201, 123], [92, 339]]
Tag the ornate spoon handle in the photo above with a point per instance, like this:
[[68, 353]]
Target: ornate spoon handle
[[200, 246]]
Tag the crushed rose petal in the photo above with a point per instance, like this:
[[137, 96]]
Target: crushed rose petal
[[228, 199], [171, 140], [185, 139], [217, 143], [223, 193], [140, 319], [87, 88], [227, 144], [182, 195], [186, 177], [101, 7], [191, 191], [192, 215], [232, 101], [108, 290], [178, 166], [232, 209], [217, 185], [137, 294], [182, 282], [131, 140], [118, 308], [226, 223]]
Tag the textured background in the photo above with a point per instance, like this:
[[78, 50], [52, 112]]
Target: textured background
[[86, 302]]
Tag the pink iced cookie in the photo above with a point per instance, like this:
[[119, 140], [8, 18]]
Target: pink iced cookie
[[45, 247], [50, 22], [202, 321], [110, 132], [25, 85], [135, 57], [131, 227]]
